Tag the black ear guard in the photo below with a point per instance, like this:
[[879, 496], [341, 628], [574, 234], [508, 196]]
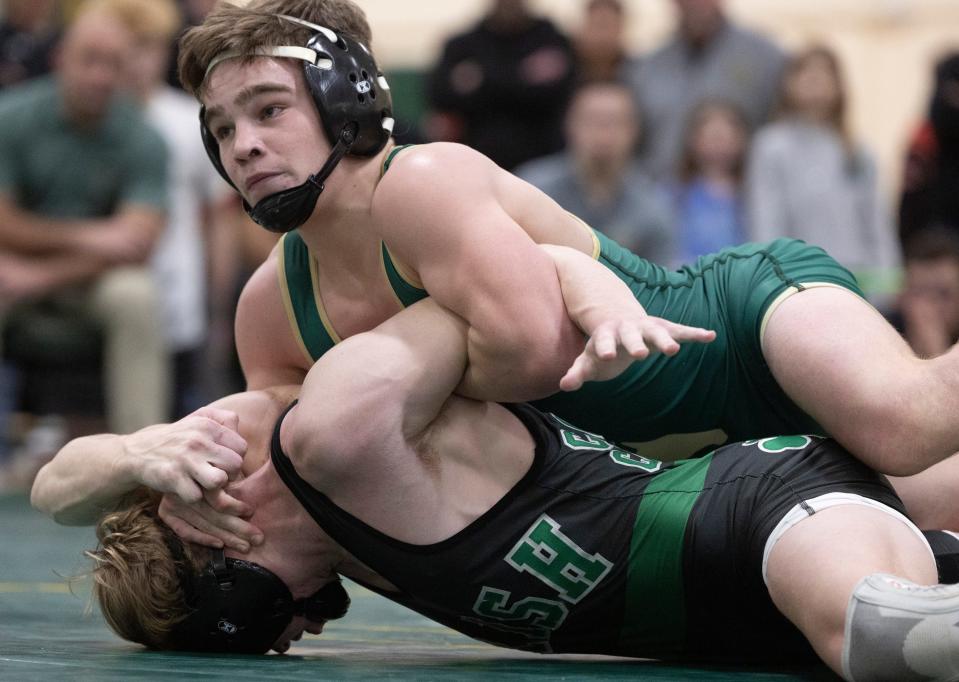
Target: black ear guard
[[355, 107], [241, 607]]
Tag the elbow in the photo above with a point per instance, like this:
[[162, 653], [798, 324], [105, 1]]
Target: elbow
[[41, 497], [320, 445], [543, 358]]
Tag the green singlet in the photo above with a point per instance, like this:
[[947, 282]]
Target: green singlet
[[705, 395]]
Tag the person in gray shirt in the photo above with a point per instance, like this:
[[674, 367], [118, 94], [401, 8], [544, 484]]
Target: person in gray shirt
[[709, 56], [808, 179], [598, 179]]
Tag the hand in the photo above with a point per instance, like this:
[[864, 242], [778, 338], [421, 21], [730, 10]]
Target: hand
[[202, 451], [217, 520], [617, 343]]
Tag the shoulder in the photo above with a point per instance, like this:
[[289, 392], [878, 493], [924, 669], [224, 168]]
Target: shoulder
[[130, 124], [440, 171], [753, 41], [779, 137], [25, 101]]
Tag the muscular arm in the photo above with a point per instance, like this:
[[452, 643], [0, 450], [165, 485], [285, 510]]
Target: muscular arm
[[268, 351], [375, 394], [475, 260]]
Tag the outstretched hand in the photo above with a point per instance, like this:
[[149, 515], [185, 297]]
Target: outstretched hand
[[617, 343]]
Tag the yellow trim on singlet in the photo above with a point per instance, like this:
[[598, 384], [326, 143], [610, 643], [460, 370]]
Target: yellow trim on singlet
[[788, 293], [318, 299], [288, 304], [597, 248]]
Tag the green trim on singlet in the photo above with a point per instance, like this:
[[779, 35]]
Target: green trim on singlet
[[655, 601], [391, 155], [300, 288], [406, 291]]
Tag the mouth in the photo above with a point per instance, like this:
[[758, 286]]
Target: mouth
[[259, 178]]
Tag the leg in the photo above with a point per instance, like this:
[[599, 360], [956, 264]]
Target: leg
[[839, 360], [136, 360], [816, 564]]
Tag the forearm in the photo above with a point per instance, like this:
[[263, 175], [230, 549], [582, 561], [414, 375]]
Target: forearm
[[63, 270], [30, 234], [395, 377], [590, 290], [88, 476]]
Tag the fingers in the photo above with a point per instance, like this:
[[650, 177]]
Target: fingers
[[203, 524], [227, 418], [186, 532], [577, 374], [223, 502]]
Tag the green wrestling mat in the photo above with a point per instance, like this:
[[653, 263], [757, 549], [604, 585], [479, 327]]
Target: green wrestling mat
[[45, 634]]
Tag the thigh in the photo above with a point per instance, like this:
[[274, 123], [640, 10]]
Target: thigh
[[750, 489]]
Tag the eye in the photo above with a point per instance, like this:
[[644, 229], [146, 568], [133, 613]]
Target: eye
[[270, 111], [222, 132]]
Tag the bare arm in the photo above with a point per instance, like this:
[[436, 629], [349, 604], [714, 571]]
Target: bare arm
[[375, 394], [126, 237], [619, 330], [90, 475], [265, 342], [27, 233], [478, 262]]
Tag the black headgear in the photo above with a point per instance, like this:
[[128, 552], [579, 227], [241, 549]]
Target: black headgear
[[241, 607], [355, 107]]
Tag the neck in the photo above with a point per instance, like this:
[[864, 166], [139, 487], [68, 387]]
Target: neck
[[294, 546], [341, 222]]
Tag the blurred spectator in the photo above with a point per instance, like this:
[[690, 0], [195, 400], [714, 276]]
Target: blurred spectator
[[197, 197], [931, 183], [192, 13], [82, 200], [28, 35], [808, 179], [598, 178], [708, 57], [708, 191], [502, 87], [928, 311], [600, 42]]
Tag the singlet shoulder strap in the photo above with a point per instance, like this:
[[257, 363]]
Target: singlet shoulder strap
[[392, 155]]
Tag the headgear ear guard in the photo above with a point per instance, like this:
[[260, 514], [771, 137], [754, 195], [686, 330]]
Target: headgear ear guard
[[355, 107], [241, 607]]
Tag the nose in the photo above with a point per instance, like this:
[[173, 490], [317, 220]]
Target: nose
[[247, 143]]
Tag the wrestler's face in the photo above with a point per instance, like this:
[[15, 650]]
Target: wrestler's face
[[265, 123], [294, 632]]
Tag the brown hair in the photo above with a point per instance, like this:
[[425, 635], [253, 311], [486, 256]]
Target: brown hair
[[837, 116], [688, 168], [135, 577], [146, 19], [244, 29]]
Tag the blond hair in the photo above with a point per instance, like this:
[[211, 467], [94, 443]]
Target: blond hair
[[158, 20], [244, 29], [136, 580]]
